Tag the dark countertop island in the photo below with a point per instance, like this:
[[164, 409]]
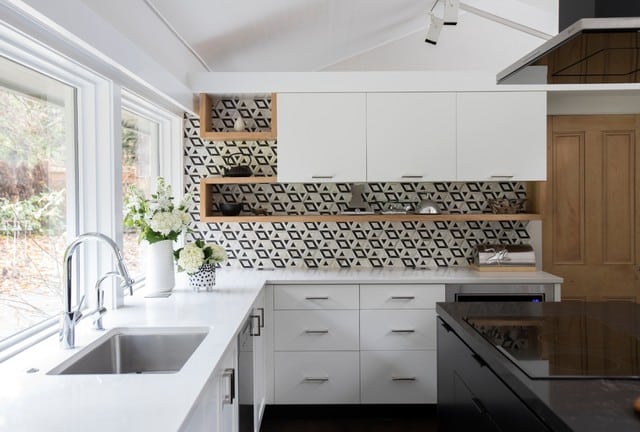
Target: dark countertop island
[[575, 366]]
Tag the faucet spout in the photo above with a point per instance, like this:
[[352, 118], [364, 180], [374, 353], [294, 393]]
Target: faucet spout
[[70, 317]]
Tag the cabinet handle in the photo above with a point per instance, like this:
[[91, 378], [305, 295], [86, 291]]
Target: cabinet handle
[[396, 378], [446, 326], [323, 331], [479, 359], [322, 176], [411, 176], [402, 297], [501, 176], [261, 311], [316, 379], [230, 395], [478, 405], [402, 331], [254, 330], [317, 298]]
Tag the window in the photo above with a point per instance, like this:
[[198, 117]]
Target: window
[[140, 145], [37, 148]]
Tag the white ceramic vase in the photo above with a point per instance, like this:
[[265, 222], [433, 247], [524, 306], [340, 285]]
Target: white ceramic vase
[[159, 269]]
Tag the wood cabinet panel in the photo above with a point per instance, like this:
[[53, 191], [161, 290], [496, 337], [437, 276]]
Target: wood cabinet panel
[[590, 236], [618, 188], [568, 199]]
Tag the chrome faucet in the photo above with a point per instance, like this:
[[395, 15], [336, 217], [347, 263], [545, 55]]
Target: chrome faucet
[[71, 317]]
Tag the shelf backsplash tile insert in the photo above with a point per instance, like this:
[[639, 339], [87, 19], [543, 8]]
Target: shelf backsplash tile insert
[[255, 111], [340, 244]]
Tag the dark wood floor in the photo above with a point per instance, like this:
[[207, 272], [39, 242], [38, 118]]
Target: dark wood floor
[[369, 418]]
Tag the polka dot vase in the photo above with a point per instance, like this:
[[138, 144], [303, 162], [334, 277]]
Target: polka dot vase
[[204, 279]]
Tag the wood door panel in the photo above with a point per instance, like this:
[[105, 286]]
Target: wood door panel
[[568, 199], [618, 198], [590, 231]]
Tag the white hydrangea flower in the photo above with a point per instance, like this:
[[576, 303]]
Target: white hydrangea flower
[[191, 258], [219, 254], [165, 222]]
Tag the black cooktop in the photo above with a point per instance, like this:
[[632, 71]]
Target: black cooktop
[[569, 346]]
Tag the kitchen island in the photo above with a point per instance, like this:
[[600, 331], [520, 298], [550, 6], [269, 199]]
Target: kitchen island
[[538, 366]]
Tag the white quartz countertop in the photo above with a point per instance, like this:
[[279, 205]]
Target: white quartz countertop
[[161, 402]]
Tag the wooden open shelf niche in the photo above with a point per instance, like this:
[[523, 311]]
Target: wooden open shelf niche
[[207, 215], [206, 126]]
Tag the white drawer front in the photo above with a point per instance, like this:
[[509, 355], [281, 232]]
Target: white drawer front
[[398, 376], [317, 377], [316, 330], [398, 329], [316, 297], [401, 296]]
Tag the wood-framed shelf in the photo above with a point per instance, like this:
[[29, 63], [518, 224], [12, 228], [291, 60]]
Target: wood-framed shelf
[[207, 216], [206, 126], [373, 218]]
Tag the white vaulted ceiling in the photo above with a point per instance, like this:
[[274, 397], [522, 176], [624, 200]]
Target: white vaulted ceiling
[[313, 35]]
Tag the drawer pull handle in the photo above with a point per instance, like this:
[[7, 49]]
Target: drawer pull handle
[[403, 297], [323, 331], [317, 298], [403, 331], [501, 176], [395, 378], [322, 176], [410, 176], [230, 394], [316, 379]]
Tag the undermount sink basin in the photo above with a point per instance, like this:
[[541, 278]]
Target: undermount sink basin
[[135, 351]]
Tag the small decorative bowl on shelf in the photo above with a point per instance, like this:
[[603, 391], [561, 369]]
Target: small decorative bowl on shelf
[[507, 206], [230, 209]]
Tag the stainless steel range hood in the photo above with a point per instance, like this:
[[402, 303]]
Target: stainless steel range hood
[[593, 50]]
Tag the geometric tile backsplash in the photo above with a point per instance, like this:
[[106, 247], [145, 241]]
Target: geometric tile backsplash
[[339, 244]]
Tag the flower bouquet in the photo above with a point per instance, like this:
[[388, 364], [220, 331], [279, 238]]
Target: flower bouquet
[[198, 259], [160, 222], [157, 218]]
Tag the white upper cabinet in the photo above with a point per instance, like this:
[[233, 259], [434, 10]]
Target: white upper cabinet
[[322, 137], [501, 136], [411, 137]]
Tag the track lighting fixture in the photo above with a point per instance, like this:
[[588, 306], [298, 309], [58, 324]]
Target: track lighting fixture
[[451, 12], [435, 23], [435, 26]]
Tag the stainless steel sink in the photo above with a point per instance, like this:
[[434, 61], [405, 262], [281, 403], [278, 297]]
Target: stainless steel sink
[[135, 351]]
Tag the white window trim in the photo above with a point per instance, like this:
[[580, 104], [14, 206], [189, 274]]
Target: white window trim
[[98, 171], [169, 157]]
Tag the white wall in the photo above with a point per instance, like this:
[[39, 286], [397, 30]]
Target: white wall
[[582, 102]]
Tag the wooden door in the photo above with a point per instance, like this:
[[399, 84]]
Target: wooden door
[[590, 232]]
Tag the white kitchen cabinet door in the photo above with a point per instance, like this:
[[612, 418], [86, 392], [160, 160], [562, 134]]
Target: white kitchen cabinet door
[[321, 137], [502, 136], [411, 137], [398, 377], [320, 377]]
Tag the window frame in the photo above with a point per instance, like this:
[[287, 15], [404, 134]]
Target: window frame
[[97, 168], [168, 160]]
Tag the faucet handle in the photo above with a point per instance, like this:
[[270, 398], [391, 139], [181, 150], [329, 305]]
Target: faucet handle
[[77, 314]]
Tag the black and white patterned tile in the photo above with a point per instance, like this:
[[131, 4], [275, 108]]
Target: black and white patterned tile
[[338, 244]]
